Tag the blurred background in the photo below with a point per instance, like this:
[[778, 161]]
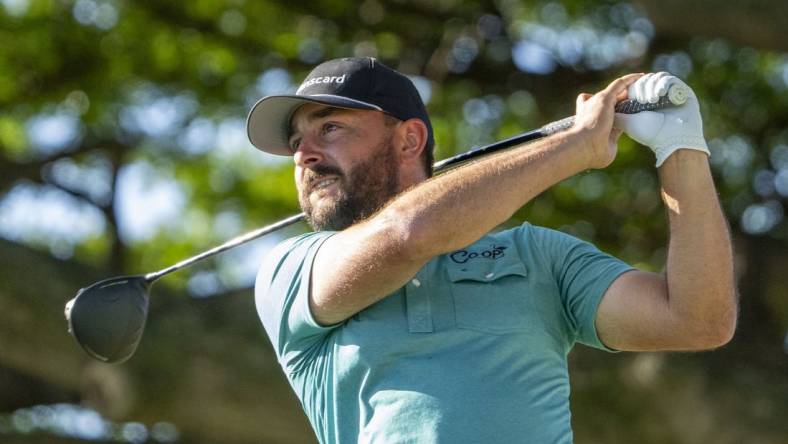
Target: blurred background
[[123, 150]]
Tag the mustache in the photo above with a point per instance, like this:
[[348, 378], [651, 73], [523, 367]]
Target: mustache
[[316, 173]]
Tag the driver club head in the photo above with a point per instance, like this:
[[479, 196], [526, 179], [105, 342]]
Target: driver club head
[[108, 317]]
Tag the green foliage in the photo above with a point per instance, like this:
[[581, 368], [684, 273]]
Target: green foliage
[[203, 62]]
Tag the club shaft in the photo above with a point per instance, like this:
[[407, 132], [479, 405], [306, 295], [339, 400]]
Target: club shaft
[[234, 242], [625, 107]]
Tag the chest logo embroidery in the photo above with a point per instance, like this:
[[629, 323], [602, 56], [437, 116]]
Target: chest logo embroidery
[[495, 252]]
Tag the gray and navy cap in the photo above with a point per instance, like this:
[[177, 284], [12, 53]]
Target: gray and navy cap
[[355, 83]]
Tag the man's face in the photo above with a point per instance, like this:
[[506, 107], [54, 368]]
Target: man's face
[[346, 166]]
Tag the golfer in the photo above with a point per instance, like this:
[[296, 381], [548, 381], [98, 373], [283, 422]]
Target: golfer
[[407, 318]]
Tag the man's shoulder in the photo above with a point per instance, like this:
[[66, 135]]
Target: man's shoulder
[[535, 233], [525, 232], [288, 253], [300, 242]]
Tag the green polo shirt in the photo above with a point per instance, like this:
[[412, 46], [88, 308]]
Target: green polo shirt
[[473, 349]]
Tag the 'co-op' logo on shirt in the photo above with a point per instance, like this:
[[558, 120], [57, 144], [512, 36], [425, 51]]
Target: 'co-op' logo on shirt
[[463, 256]]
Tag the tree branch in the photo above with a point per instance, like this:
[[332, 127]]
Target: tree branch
[[757, 23]]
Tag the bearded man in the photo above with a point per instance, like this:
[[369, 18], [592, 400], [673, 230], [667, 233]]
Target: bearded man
[[405, 317]]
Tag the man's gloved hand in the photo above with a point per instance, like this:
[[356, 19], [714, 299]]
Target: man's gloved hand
[[668, 129]]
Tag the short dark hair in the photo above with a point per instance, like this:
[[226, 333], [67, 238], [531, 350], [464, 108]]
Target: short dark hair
[[427, 155]]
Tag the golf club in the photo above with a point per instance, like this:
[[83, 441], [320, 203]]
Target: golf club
[[107, 318]]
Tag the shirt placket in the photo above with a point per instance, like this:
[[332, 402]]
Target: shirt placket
[[418, 306]]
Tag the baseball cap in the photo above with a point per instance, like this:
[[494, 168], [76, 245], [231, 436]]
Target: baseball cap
[[355, 83]]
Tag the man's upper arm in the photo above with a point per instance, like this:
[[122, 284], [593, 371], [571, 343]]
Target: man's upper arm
[[359, 266], [635, 315], [612, 305]]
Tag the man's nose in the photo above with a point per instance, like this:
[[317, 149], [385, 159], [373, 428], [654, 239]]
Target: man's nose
[[307, 153]]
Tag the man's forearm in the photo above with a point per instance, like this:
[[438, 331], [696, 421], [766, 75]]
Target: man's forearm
[[700, 280], [457, 208]]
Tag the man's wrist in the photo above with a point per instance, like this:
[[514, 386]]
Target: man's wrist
[[579, 148], [684, 170], [668, 147]]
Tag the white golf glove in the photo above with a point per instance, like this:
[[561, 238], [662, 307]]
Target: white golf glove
[[668, 129]]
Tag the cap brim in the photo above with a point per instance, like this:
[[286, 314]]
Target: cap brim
[[268, 124]]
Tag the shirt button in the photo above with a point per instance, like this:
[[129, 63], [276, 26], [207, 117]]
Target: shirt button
[[416, 283], [489, 275]]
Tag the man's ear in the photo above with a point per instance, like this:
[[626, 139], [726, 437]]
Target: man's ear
[[413, 134]]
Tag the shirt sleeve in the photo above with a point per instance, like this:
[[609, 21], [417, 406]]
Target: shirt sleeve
[[282, 300], [583, 275]]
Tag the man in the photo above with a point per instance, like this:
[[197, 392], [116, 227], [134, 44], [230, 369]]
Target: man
[[404, 318]]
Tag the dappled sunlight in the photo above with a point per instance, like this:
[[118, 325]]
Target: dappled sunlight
[[424, 87], [147, 199], [732, 156], [198, 137], [15, 8], [92, 177], [102, 14], [73, 421], [762, 217], [53, 133], [274, 81], [156, 114], [677, 63], [597, 42], [45, 215]]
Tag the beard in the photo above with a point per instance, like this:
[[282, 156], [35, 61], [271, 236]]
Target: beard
[[362, 191]]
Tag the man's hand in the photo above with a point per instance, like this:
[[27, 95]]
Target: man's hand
[[669, 129], [594, 120]]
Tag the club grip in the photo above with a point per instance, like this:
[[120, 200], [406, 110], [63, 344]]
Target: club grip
[[676, 96]]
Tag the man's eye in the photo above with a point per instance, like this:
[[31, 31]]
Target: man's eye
[[294, 144], [329, 127]]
